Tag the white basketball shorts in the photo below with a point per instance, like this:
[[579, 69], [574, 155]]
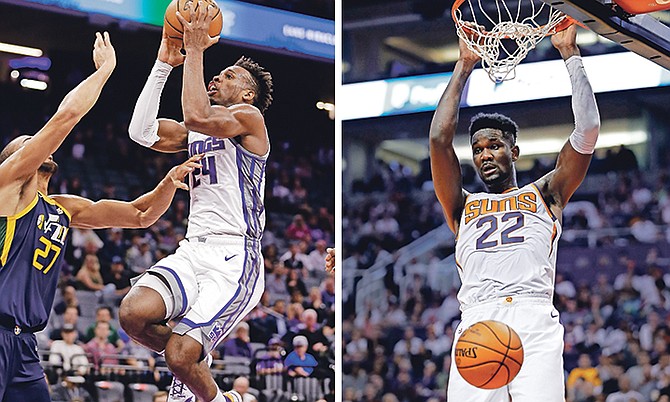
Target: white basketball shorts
[[214, 283], [541, 376]]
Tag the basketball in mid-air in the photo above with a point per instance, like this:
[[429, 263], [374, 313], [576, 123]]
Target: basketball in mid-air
[[489, 354], [174, 28]]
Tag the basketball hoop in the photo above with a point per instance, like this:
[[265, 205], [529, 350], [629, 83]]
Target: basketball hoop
[[502, 32]]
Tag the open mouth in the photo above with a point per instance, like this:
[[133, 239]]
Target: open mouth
[[489, 169], [211, 89]]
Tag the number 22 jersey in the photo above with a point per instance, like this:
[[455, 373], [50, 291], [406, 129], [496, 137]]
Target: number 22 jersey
[[506, 245], [33, 245]]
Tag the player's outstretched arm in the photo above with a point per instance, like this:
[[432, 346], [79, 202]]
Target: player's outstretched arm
[[199, 114], [164, 135], [575, 156], [141, 213], [74, 106], [445, 167]]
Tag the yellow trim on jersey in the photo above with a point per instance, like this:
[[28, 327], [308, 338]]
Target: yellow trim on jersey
[[457, 264], [549, 211], [24, 210], [51, 201], [9, 236]]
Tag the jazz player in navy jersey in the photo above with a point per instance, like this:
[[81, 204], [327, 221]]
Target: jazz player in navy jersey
[[34, 227], [507, 237], [215, 277]]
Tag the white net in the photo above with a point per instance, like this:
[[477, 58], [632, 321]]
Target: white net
[[502, 32]]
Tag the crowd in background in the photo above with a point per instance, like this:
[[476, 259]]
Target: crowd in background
[[83, 334], [613, 293]]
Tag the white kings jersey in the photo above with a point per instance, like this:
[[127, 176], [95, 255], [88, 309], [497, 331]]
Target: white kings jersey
[[506, 246], [227, 193]]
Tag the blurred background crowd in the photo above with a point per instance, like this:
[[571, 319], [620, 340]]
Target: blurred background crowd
[[612, 285], [284, 348]]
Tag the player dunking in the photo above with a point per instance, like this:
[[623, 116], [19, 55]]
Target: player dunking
[[216, 275], [507, 237], [34, 227]]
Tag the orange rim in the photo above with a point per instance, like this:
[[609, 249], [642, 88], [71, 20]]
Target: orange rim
[[563, 25]]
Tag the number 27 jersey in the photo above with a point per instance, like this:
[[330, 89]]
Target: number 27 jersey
[[33, 245], [506, 245]]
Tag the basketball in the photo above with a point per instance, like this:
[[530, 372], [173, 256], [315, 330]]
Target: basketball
[[174, 28], [489, 354]]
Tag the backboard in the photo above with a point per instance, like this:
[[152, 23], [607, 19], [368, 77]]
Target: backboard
[[642, 34]]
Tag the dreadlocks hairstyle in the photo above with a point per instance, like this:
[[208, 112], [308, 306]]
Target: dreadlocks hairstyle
[[495, 121], [262, 81]]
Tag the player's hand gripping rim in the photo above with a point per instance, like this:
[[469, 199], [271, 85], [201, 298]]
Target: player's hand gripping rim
[[196, 32], [178, 173]]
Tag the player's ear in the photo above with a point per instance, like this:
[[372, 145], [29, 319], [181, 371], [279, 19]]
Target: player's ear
[[249, 96], [515, 153]]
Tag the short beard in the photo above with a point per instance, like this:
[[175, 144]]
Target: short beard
[[48, 167]]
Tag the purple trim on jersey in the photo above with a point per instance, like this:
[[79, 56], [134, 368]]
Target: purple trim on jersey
[[245, 151], [240, 309], [260, 183], [238, 160], [181, 288], [255, 199], [245, 159], [230, 320], [240, 282]]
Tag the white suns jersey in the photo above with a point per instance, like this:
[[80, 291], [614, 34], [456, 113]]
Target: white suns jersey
[[227, 193], [506, 246]]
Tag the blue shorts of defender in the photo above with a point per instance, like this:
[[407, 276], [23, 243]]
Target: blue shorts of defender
[[21, 375]]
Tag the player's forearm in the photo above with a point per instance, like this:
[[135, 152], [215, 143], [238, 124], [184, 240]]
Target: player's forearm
[[71, 110], [194, 100], [153, 204], [82, 98], [587, 118], [445, 119], [143, 127]]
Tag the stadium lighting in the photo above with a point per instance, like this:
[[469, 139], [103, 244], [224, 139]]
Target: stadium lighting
[[535, 147], [14, 74], [22, 50], [33, 84]]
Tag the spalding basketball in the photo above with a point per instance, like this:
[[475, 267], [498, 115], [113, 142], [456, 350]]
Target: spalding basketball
[[489, 354], [174, 28]]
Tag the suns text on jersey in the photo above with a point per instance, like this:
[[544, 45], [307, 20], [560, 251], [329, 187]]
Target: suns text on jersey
[[526, 201]]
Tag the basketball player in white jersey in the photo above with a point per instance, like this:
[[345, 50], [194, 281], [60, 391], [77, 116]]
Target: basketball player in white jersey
[[507, 237], [216, 275]]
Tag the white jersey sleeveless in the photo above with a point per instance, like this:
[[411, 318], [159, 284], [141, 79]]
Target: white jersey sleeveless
[[227, 193], [506, 246]]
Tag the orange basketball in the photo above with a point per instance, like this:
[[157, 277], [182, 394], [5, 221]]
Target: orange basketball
[[174, 28], [489, 354]]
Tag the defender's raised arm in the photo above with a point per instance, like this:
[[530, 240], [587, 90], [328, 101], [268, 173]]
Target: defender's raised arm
[[28, 154]]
